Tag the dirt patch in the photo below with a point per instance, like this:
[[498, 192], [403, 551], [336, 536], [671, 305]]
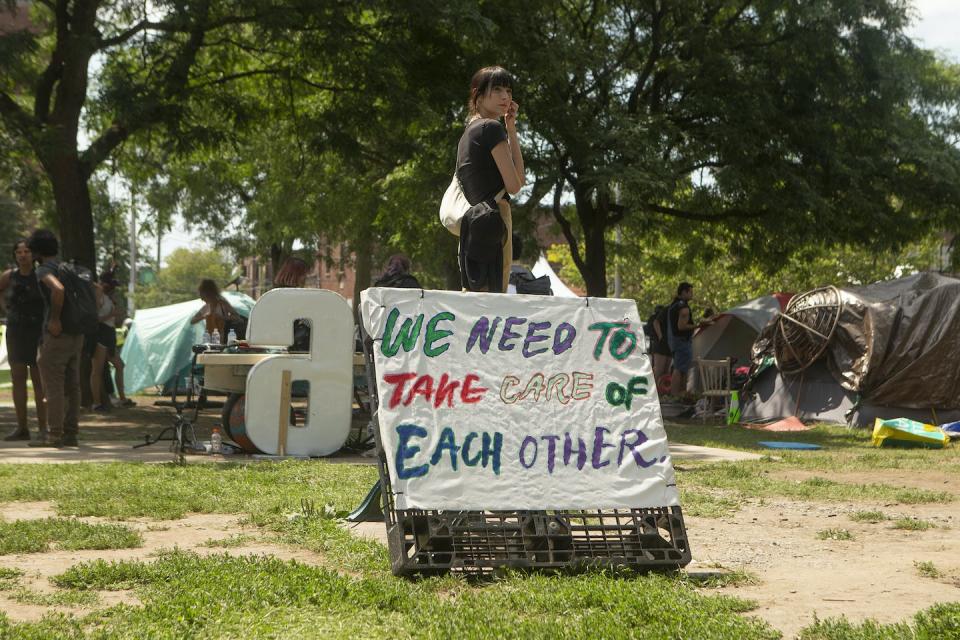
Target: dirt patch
[[928, 480], [11, 511], [801, 576], [189, 533], [873, 575]]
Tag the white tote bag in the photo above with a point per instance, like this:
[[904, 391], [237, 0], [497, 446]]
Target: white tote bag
[[453, 207]]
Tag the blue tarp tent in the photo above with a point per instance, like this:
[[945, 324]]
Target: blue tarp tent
[[159, 343]]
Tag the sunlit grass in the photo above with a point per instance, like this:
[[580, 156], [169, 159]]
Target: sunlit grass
[[32, 536]]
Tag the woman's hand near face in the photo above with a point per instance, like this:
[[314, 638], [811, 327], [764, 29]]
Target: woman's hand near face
[[510, 117]]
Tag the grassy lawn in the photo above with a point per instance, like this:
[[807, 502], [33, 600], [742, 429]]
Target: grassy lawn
[[352, 593], [844, 449], [31, 536], [718, 489]]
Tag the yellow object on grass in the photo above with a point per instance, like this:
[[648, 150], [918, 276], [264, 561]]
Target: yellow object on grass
[[733, 413], [901, 432]]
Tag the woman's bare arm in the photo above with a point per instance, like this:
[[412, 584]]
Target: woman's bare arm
[[512, 178], [4, 283]]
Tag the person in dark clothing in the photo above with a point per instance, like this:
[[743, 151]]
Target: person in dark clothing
[[680, 335], [489, 166], [105, 347], [659, 345], [59, 358], [397, 274], [24, 307]]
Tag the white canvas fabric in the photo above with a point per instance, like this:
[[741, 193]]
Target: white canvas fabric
[[491, 401]]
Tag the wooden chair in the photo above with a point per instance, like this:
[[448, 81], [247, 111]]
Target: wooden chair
[[715, 380]]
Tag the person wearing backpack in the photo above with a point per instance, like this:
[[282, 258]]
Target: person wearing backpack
[[67, 300]]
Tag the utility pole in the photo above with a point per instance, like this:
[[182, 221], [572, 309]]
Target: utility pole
[[131, 286], [617, 288]]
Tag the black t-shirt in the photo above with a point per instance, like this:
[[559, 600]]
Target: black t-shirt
[[479, 176], [674, 318], [24, 300]]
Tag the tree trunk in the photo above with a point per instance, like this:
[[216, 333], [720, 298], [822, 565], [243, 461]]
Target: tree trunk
[[595, 257], [363, 275], [592, 221], [74, 212], [276, 253]]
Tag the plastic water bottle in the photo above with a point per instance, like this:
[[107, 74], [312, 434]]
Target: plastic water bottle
[[206, 337], [232, 336], [216, 441], [215, 336]]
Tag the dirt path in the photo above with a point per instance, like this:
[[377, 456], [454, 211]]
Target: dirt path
[[873, 575], [189, 533]]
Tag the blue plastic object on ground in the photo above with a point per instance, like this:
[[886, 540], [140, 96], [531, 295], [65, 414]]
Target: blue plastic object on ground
[[802, 446], [952, 429]]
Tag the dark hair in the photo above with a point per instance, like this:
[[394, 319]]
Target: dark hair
[[397, 264], [208, 287], [43, 243], [17, 243], [484, 81], [517, 246], [684, 287], [291, 273]]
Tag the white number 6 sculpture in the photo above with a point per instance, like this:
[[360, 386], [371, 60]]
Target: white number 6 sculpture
[[328, 369]]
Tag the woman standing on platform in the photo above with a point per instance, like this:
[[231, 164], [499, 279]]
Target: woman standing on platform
[[24, 304], [489, 166]]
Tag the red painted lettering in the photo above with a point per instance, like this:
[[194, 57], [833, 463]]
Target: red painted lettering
[[445, 391], [399, 380], [469, 393]]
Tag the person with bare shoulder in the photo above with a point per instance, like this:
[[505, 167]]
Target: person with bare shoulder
[[24, 308], [216, 311], [490, 169]]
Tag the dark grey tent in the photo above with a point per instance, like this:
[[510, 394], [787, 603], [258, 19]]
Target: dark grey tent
[[892, 351]]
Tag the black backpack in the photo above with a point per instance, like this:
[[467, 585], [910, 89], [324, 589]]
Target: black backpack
[[79, 313], [527, 284]]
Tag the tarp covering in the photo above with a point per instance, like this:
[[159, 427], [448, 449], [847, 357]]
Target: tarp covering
[[160, 340], [898, 341], [733, 332], [893, 354], [895, 342]]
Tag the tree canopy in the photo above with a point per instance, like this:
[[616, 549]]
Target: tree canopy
[[178, 280], [759, 129]]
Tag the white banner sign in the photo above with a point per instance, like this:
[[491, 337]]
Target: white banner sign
[[492, 401]]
